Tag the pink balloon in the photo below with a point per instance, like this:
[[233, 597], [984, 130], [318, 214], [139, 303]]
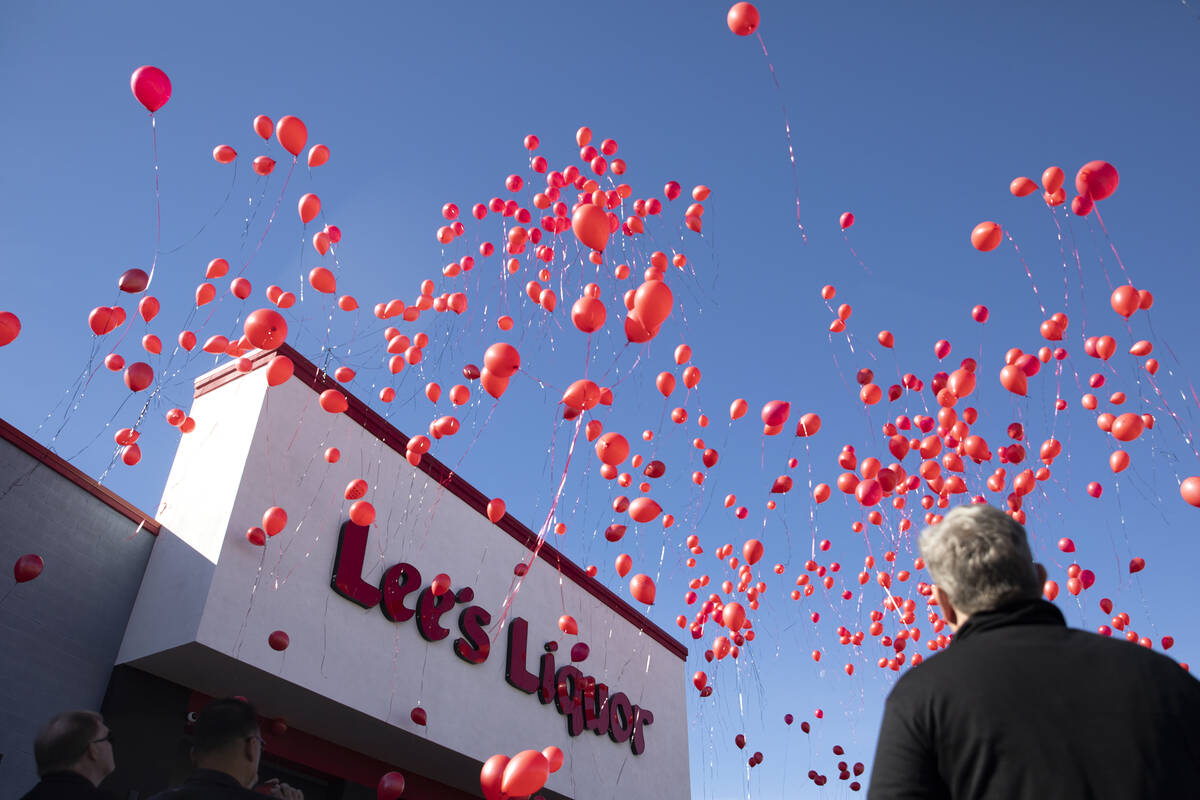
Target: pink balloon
[[151, 87]]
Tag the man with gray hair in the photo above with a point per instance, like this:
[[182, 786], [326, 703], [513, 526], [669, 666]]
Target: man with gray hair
[[1021, 706], [74, 752]]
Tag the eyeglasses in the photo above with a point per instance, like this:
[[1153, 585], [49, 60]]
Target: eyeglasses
[[108, 737]]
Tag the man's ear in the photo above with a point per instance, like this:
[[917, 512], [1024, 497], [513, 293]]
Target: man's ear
[[1041, 571], [949, 613], [248, 749]]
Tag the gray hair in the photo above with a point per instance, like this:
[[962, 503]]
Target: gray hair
[[980, 557]]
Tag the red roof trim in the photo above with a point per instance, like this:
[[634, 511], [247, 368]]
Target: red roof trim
[[383, 430], [78, 477]]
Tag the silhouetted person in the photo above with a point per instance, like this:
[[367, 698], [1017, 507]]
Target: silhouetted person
[[1021, 706], [74, 752], [226, 748]]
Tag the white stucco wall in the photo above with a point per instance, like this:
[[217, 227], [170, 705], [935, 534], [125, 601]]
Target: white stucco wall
[[256, 447]]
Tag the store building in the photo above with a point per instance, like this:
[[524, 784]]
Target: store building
[[183, 607]]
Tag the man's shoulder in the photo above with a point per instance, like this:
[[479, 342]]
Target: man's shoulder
[[55, 787]]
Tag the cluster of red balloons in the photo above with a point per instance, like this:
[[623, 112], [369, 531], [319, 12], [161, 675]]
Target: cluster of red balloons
[[521, 775]]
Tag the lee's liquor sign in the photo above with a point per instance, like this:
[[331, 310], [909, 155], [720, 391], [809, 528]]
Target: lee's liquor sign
[[581, 699]]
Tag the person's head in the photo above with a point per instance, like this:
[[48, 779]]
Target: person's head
[[75, 741], [226, 738], [979, 560]]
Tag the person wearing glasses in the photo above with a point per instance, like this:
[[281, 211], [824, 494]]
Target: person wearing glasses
[[74, 752], [226, 748]]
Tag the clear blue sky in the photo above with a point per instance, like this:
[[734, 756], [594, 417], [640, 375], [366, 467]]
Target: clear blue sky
[[913, 116]]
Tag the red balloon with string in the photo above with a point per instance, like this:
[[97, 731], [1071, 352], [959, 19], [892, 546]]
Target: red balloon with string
[[151, 87], [742, 19]]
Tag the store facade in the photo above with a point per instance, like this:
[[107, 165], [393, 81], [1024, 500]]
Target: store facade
[[383, 668]]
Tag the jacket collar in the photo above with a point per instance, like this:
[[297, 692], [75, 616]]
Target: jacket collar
[[1021, 612], [66, 776], [213, 776]]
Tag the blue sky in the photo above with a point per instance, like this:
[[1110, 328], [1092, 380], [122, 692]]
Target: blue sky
[[915, 117]]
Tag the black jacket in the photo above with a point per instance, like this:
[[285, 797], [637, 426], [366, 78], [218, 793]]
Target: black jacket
[[1021, 706], [208, 784], [65, 786]]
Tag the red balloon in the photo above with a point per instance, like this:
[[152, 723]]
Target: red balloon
[[133, 281], [1022, 187], [554, 756], [653, 302], [105, 319], [362, 513], [986, 236], [263, 126], [1052, 179], [846, 220], [588, 314], [525, 773], [1014, 379], [502, 360], [138, 376], [263, 165], [733, 616], [752, 551], [636, 331], [265, 328], [591, 226], [309, 206], [1189, 490], [279, 370], [1081, 206], [742, 19], [642, 588], [1096, 180], [292, 134], [1125, 300], [318, 154], [224, 154], [775, 412], [28, 567], [278, 640], [323, 280], [496, 509], [273, 520], [493, 384], [492, 776], [418, 716], [333, 401], [612, 449], [1128, 427], [151, 87], [644, 509], [808, 425], [623, 564], [391, 786], [10, 327]]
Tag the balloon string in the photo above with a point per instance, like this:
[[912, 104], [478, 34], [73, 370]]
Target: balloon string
[[1079, 269], [1032, 283], [787, 128], [157, 200], [270, 219], [214, 215], [1112, 246], [854, 253]]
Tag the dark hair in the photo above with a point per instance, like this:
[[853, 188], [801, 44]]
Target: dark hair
[[223, 722], [64, 740]]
